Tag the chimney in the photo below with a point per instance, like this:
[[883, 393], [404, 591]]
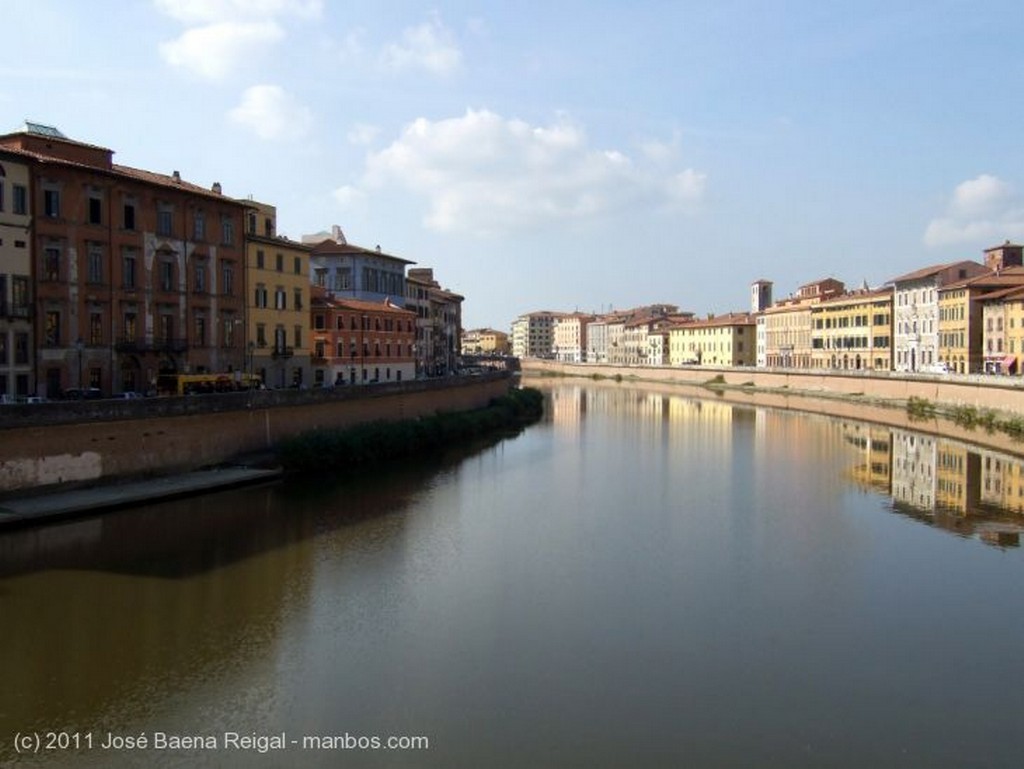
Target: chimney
[[177, 177], [378, 248], [216, 188]]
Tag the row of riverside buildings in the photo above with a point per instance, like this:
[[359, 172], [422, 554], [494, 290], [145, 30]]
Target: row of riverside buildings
[[111, 276], [962, 317]]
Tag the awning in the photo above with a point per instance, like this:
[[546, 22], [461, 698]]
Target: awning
[[1009, 362]]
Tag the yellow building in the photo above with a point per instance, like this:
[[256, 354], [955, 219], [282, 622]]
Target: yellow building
[[853, 331], [961, 318], [277, 301], [726, 340], [485, 341], [788, 325]]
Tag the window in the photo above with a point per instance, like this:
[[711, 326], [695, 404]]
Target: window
[[129, 216], [199, 331], [261, 335], [167, 276], [51, 203], [51, 263], [95, 210], [21, 348], [259, 260], [280, 297], [261, 296], [3, 355], [130, 327], [51, 329], [229, 330], [95, 263], [166, 328], [20, 202], [298, 265], [96, 378], [298, 336], [199, 226], [320, 277], [298, 299], [128, 268], [19, 296], [200, 278], [227, 231], [95, 329], [318, 349], [164, 220], [343, 279], [252, 222], [280, 262], [227, 271], [319, 322]]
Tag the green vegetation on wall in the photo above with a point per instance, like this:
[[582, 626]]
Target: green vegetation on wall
[[366, 444]]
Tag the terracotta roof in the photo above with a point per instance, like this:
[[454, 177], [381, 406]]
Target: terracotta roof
[[1013, 276], [935, 269], [334, 248], [729, 319], [125, 172], [853, 296], [359, 305]]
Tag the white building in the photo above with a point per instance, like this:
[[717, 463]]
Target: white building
[[916, 312]]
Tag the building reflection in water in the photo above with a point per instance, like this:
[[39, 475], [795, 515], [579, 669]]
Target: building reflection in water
[[963, 489]]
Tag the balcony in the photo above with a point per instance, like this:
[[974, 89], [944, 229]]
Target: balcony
[[16, 311], [139, 346], [281, 351]]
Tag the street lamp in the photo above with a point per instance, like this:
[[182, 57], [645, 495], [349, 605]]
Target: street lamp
[[79, 346], [252, 351]]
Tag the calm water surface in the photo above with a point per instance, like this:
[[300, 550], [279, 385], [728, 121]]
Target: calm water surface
[[642, 579]]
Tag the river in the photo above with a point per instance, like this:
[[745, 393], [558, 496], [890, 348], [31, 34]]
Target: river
[[643, 579]]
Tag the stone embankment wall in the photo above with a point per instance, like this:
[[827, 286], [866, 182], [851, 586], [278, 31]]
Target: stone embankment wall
[[46, 444], [983, 392]]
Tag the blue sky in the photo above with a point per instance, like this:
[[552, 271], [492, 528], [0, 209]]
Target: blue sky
[[564, 155]]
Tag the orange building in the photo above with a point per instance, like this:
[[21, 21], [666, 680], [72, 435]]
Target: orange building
[[360, 342], [135, 273]]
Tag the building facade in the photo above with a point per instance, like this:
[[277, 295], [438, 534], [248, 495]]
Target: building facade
[[853, 332], [725, 340], [277, 288], [17, 341], [485, 341], [788, 325], [357, 342], [136, 273], [569, 343], [438, 323], [916, 312]]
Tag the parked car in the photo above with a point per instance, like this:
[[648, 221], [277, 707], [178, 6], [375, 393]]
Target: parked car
[[82, 394], [129, 396], [35, 399]]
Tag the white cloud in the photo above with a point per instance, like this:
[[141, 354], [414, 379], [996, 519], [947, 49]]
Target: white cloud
[[981, 211], [210, 11], [485, 174], [271, 113], [361, 133], [430, 46], [222, 34], [214, 51], [349, 197]]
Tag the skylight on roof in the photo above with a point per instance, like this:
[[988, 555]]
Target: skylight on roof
[[43, 130]]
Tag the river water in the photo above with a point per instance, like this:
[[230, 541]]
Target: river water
[[644, 579]]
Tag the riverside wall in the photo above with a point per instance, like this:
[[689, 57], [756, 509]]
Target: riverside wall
[[43, 446], [1003, 394]]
